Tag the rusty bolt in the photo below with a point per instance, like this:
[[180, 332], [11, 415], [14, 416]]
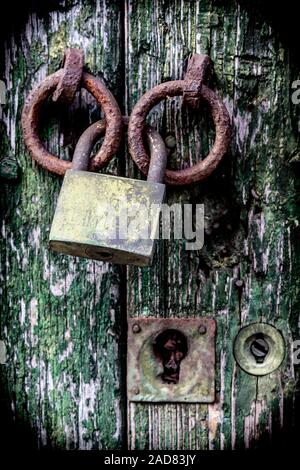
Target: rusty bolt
[[135, 390], [202, 329], [170, 141], [239, 283], [136, 328]]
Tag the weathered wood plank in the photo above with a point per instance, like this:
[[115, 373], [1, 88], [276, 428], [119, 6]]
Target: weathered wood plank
[[251, 216], [61, 317]]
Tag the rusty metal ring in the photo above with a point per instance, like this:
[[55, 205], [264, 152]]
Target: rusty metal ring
[[137, 123], [31, 115]]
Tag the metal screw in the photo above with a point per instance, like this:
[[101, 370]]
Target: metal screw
[[202, 329], [135, 390], [259, 348], [136, 328], [170, 142]]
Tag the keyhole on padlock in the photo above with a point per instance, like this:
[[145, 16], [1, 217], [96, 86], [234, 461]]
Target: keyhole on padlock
[[96, 251], [170, 347], [259, 348]]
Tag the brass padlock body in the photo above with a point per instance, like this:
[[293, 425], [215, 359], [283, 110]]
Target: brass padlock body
[[84, 226]]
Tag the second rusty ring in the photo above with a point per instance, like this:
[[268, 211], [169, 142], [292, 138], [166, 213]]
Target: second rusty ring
[[31, 115], [203, 168]]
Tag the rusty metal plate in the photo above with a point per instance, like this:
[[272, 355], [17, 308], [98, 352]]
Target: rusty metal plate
[[91, 211], [157, 345]]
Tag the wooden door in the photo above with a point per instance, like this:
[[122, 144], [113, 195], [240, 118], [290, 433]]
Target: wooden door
[[63, 319]]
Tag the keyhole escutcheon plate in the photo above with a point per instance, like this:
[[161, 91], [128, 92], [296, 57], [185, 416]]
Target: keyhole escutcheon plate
[[171, 360]]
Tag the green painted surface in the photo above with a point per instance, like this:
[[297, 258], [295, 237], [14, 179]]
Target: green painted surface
[[62, 319], [251, 215]]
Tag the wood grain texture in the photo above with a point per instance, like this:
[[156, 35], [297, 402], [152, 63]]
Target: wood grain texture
[[251, 216], [61, 317]]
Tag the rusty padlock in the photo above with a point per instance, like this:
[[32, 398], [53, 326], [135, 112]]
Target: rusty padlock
[[96, 215], [106, 217]]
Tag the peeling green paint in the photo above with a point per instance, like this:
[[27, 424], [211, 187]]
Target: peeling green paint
[[62, 319], [251, 209]]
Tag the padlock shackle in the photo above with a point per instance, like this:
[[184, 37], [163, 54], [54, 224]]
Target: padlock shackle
[[88, 139], [158, 152], [85, 144]]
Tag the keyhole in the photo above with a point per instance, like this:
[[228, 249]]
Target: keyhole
[[170, 347], [259, 348]]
